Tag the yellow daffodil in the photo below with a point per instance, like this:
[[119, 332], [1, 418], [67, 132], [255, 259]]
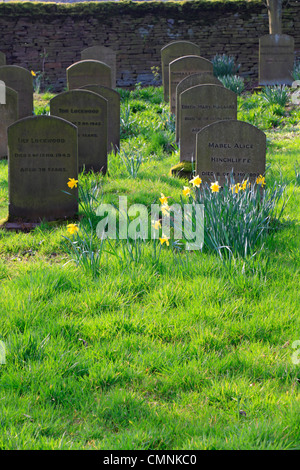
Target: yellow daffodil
[[186, 191], [164, 239], [72, 183], [196, 181], [156, 225], [261, 180], [72, 228], [215, 187], [165, 209], [244, 185], [235, 188], [163, 199], [33, 73]]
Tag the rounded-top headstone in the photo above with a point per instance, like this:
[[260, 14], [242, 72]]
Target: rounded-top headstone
[[103, 54], [88, 72], [42, 157], [201, 105], [183, 67], [88, 111], [170, 52], [20, 80], [8, 115], [113, 113], [230, 147], [189, 82]]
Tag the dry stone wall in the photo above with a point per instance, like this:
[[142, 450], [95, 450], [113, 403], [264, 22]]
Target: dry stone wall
[[51, 36]]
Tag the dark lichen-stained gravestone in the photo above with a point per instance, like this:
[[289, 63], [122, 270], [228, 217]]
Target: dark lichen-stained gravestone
[[88, 72], [230, 147], [42, 158], [170, 52], [113, 114], [188, 82], [88, 111], [103, 54], [199, 106], [182, 68], [8, 115], [276, 59], [20, 80]]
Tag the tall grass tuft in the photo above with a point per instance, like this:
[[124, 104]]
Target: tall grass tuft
[[278, 94], [85, 249], [132, 160], [224, 65], [239, 216], [233, 83]]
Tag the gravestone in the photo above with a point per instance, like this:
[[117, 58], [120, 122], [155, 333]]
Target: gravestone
[[113, 114], [8, 115], [88, 72], [88, 112], [226, 146], [20, 80], [188, 82], [173, 51], [42, 158], [2, 92], [183, 67], [199, 106], [2, 59], [103, 54], [276, 59]]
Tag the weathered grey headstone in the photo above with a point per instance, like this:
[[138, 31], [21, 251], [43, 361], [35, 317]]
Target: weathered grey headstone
[[113, 114], [103, 54], [88, 72], [20, 80], [2, 59], [88, 111], [42, 158], [188, 82], [183, 67], [230, 146], [276, 59], [8, 115], [199, 106], [170, 52]]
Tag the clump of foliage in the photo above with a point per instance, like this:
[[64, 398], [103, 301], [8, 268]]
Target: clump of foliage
[[278, 94], [233, 83], [224, 65]]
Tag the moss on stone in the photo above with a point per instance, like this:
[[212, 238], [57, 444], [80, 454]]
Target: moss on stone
[[181, 9], [182, 170]]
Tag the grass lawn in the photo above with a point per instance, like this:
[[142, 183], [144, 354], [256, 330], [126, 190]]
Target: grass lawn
[[190, 352]]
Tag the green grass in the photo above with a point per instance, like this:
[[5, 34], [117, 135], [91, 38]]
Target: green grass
[[153, 356]]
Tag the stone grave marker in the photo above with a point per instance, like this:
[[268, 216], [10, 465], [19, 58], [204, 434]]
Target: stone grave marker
[[2, 92], [20, 80], [42, 158], [103, 54], [113, 114], [199, 106], [226, 146], [170, 52], [88, 72], [2, 58], [183, 67], [88, 112], [8, 115], [276, 59], [188, 82]]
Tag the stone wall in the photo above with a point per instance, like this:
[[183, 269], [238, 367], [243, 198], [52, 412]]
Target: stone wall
[[136, 31]]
